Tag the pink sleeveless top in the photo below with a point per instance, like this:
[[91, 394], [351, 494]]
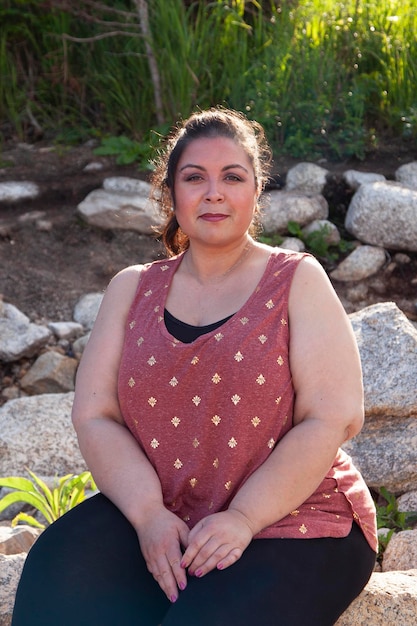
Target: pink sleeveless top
[[207, 414]]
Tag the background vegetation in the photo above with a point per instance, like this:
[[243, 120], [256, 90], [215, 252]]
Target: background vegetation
[[324, 78]]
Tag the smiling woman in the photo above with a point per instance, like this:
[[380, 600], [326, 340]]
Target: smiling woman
[[211, 403]]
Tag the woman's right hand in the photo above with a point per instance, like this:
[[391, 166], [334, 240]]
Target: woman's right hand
[[162, 535]]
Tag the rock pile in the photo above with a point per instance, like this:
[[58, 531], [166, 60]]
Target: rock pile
[[35, 427]]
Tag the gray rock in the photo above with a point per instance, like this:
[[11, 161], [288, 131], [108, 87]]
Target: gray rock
[[384, 214], [18, 336], [66, 330], [10, 571], [293, 243], [355, 179], [122, 204], [51, 373], [329, 231], [389, 598], [292, 206], [364, 261], [37, 433], [306, 177], [388, 347], [401, 552], [407, 175], [17, 540], [407, 502], [86, 309], [16, 191]]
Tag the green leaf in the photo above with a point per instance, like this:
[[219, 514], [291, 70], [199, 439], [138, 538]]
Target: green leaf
[[34, 499], [27, 519], [42, 485], [17, 482]]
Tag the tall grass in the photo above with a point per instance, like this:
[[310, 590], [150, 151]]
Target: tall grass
[[323, 77]]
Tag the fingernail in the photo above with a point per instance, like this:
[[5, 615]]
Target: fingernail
[[182, 586], [173, 598], [198, 573], [183, 564]]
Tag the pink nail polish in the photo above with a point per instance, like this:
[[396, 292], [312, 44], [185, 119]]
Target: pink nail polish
[[182, 586], [198, 573], [173, 598]]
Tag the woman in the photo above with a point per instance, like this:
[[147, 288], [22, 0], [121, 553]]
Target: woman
[[211, 403]]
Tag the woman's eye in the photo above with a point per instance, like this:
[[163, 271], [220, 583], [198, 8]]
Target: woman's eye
[[193, 177], [233, 177]]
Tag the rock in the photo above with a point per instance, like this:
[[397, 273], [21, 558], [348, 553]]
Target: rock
[[407, 175], [364, 261], [79, 345], [306, 177], [385, 452], [384, 214], [36, 432], [388, 347], [17, 191], [17, 540], [121, 204], [293, 243], [86, 309], [51, 373], [66, 330], [355, 179], [408, 502], [10, 571], [291, 206], [328, 231], [401, 552], [18, 336], [388, 598]]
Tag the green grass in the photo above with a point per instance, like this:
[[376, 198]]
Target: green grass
[[324, 78]]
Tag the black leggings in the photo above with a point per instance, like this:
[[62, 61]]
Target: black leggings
[[87, 570]]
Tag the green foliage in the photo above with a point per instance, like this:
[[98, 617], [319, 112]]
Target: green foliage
[[388, 515], [317, 241], [52, 503], [323, 77]]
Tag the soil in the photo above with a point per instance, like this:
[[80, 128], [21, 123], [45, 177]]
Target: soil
[[49, 256]]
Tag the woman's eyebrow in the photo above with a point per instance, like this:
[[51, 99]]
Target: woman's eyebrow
[[225, 168]]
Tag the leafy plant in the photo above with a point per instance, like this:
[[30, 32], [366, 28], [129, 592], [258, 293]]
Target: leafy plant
[[388, 515], [317, 242], [67, 492]]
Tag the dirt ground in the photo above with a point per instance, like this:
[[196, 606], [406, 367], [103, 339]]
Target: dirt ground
[[44, 271]]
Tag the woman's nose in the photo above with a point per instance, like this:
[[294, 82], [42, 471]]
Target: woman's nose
[[214, 194]]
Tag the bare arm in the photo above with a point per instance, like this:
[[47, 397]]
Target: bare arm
[[327, 378], [119, 466]]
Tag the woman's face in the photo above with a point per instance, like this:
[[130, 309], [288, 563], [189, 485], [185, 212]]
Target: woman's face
[[215, 191]]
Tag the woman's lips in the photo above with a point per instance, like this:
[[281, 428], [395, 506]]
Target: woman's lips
[[213, 217]]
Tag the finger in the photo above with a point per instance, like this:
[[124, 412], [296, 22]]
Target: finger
[[178, 572], [163, 574]]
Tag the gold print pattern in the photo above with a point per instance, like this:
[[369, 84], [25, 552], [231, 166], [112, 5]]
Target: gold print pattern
[[193, 482], [244, 320], [178, 464], [211, 505], [255, 421], [194, 360], [278, 400], [270, 304], [148, 293], [151, 361], [271, 443], [132, 324], [175, 421], [262, 339], [295, 513], [152, 401], [140, 341], [154, 443], [261, 379], [160, 318], [283, 322], [218, 336], [156, 309], [232, 443], [216, 463], [326, 495], [164, 268], [216, 379], [196, 400], [173, 382], [131, 382], [216, 420], [196, 443], [280, 360], [303, 529], [228, 485], [238, 356], [236, 399]]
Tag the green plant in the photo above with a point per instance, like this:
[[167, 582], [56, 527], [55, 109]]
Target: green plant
[[317, 242], [67, 492], [388, 515]]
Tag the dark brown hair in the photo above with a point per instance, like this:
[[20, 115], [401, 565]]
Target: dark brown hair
[[215, 122]]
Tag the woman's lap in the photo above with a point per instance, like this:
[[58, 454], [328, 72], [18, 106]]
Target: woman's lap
[[87, 569]]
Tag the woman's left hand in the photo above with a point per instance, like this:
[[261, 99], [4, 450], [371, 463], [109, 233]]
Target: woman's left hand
[[216, 541]]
